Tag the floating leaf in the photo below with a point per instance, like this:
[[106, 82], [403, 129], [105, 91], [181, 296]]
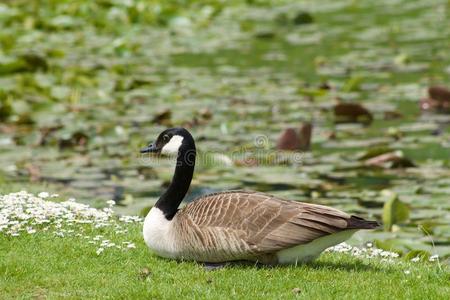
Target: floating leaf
[[147, 172], [351, 113], [201, 117], [30, 62], [77, 138], [35, 62], [310, 92], [438, 100], [373, 152], [292, 139], [390, 160], [439, 93], [288, 140], [163, 117], [63, 22], [303, 17], [394, 210], [6, 109], [392, 115], [353, 84], [402, 59], [265, 34]]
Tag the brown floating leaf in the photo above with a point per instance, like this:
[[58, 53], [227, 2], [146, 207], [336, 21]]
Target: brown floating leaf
[[352, 113], [288, 140], [438, 100], [439, 93], [305, 136], [163, 117], [391, 160], [292, 140]]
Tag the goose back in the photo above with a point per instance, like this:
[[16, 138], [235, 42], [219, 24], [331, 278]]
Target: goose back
[[245, 225]]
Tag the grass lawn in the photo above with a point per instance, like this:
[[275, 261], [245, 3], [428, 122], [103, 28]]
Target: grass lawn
[[42, 265]]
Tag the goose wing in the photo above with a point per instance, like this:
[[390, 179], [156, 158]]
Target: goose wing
[[265, 223]]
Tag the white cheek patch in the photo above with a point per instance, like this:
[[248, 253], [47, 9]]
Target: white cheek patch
[[173, 145]]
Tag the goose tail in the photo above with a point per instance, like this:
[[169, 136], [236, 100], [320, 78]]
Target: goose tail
[[359, 223]]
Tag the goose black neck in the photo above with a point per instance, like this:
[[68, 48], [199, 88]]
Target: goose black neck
[[169, 201]]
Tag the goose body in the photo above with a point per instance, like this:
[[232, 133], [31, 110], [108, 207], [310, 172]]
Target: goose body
[[237, 225]]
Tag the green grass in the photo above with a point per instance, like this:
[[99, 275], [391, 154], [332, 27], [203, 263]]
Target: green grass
[[44, 266]]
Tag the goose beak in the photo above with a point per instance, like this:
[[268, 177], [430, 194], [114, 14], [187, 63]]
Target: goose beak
[[150, 149]]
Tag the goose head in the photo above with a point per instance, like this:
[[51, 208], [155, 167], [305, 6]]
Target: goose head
[[171, 142]]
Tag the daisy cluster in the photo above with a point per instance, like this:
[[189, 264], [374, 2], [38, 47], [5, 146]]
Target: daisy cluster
[[365, 252], [24, 213], [372, 252]]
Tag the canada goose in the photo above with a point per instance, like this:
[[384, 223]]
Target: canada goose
[[237, 225]]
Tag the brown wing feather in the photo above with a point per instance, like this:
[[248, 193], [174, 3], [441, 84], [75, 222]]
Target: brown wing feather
[[264, 223]]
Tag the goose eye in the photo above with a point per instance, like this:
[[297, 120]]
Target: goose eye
[[165, 138]]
